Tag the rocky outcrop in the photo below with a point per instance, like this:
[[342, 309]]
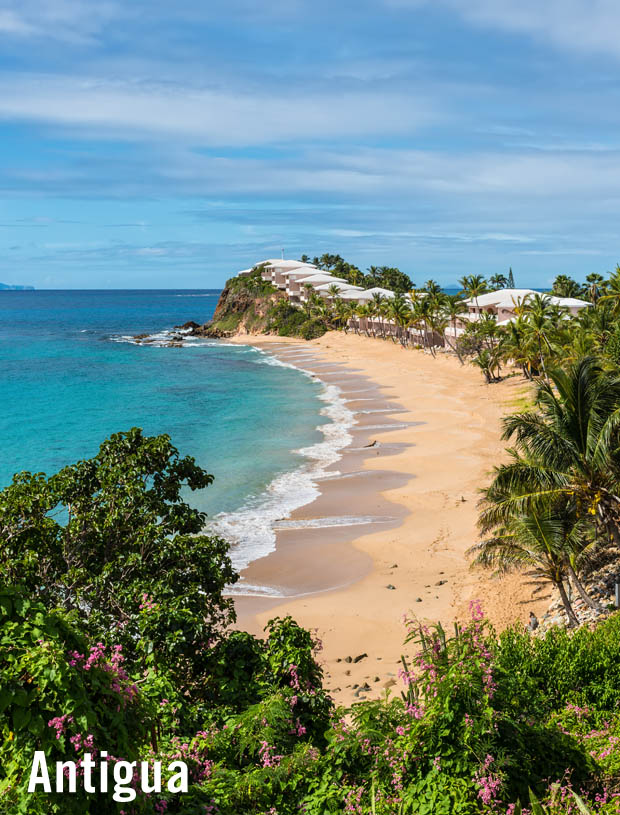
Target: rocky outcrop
[[239, 311]]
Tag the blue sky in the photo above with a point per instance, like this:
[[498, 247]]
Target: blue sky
[[157, 144]]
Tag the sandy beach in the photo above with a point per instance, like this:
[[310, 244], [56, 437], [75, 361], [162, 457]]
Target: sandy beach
[[426, 437]]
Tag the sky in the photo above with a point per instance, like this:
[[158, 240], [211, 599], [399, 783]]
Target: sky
[[168, 145]]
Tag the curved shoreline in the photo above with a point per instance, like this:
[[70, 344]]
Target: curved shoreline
[[442, 447], [323, 527]]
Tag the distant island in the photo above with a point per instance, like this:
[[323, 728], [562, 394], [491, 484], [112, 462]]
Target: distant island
[[9, 287]]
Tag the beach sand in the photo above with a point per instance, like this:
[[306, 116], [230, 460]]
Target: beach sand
[[437, 429]]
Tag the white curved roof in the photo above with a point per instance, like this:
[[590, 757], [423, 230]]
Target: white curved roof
[[320, 277]]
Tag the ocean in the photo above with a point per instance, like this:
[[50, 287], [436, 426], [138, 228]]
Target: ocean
[[71, 374]]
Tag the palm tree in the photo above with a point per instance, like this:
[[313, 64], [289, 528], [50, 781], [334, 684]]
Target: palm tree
[[516, 345], [432, 287], [309, 291], [437, 318], [488, 360], [341, 311], [612, 294], [333, 290], [453, 307], [498, 281], [473, 286], [542, 320], [533, 540], [378, 301], [595, 286], [399, 312], [565, 286], [566, 451]]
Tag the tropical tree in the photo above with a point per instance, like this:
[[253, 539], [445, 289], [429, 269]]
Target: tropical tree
[[378, 302], [473, 286], [308, 292], [334, 290], [595, 286], [517, 346], [536, 541], [565, 451], [498, 281], [453, 306], [103, 538], [542, 322], [565, 286], [612, 294], [488, 360], [399, 312]]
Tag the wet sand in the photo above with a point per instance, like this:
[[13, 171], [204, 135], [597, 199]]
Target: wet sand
[[411, 499]]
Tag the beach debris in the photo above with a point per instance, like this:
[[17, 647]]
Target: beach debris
[[366, 687], [355, 686], [394, 566], [347, 672], [348, 659], [377, 679], [533, 623], [418, 599], [360, 657], [440, 582], [373, 443], [390, 586]]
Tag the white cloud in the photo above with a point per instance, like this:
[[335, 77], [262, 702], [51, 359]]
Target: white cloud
[[12, 23], [209, 116], [74, 21], [579, 25]]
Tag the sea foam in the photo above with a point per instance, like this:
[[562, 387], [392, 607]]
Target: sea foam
[[251, 529]]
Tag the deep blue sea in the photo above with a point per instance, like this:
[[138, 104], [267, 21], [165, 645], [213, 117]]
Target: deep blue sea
[[70, 376]]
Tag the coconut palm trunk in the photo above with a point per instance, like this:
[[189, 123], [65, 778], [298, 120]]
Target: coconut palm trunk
[[581, 589], [568, 608]]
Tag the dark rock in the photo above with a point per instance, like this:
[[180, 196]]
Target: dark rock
[[418, 599], [390, 586], [440, 582], [359, 658], [348, 659]]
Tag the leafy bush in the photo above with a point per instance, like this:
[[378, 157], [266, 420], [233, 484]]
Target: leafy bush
[[483, 723], [62, 696], [123, 552]]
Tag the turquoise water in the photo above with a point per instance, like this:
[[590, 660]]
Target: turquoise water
[[69, 376]]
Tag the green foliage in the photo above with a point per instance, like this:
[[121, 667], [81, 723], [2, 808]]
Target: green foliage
[[484, 722], [111, 540], [288, 320], [612, 348], [252, 284], [48, 698]]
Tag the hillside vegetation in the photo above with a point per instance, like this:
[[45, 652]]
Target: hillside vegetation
[[251, 305]]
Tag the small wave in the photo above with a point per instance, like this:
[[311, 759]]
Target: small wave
[[252, 527], [395, 426], [326, 522]]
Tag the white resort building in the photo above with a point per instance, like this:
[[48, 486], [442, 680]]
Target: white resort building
[[298, 279]]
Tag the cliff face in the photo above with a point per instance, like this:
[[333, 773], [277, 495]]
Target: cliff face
[[246, 306], [250, 305], [243, 311]]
